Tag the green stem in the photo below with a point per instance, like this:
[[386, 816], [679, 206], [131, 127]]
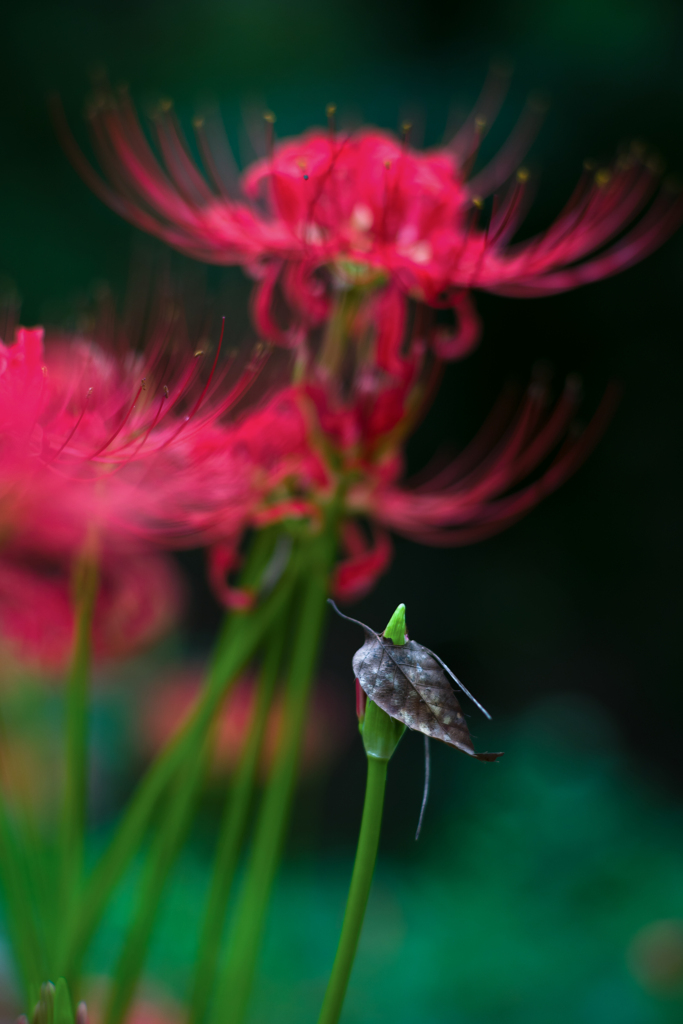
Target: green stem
[[244, 939], [28, 893], [75, 795], [20, 918], [162, 855], [237, 643], [361, 880], [232, 832]]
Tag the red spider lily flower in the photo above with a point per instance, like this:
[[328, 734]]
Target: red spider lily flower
[[487, 487], [520, 456], [79, 426], [139, 598], [330, 209], [80, 422], [345, 449]]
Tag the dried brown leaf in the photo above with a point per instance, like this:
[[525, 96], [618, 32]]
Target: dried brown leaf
[[411, 683]]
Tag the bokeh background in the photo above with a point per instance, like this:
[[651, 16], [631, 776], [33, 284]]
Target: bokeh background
[[548, 888]]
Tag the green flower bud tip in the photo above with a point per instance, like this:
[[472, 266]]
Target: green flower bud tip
[[396, 630]]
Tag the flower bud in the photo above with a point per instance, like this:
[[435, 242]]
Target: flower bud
[[381, 733], [396, 629]]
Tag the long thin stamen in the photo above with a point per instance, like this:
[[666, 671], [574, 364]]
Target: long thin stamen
[[74, 428], [204, 390], [269, 118], [122, 425], [150, 428], [331, 110]]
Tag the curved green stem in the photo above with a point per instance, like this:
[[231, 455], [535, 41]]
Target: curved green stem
[[361, 880], [232, 831], [244, 938], [239, 639]]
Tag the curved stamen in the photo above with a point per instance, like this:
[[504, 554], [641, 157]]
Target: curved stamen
[[74, 428], [122, 425]]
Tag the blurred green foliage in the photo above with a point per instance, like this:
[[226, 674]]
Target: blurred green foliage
[[520, 904]]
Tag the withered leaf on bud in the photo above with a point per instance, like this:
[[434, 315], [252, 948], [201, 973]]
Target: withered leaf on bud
[[411, 684]]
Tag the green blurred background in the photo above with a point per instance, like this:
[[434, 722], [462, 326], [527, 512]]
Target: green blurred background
[[535, 892]]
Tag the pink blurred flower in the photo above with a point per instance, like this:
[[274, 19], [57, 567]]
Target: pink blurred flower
[[76, 420], [327, 728], [139, 598], [333, 209]]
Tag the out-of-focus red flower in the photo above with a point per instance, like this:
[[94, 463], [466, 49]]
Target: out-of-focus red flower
[[79, 424], [138, 599], [79, 428], [331, 208], [327, 729]]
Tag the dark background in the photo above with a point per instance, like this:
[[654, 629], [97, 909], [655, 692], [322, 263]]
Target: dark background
[[582, 597]]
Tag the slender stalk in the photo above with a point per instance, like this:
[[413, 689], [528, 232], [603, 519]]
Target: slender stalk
[[244, 938], [381, 735], [160, 860], [77, 688], [232, 832], [20, 919], [239, 639], [28, 894], [361, 880]]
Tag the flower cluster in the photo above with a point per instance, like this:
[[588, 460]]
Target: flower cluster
[[353, 239], [79, 429]]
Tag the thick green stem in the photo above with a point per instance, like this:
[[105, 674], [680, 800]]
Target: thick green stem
[[361, 880], [237, 643], [77, 688], [244, 939], [233, 830]]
